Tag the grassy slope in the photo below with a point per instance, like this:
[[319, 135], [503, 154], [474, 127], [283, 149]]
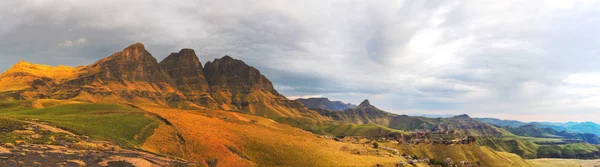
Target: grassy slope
[[568, 150], [527, 148], [126, 126], [346, 129], [337, 128], [472, 153], [236, 139]]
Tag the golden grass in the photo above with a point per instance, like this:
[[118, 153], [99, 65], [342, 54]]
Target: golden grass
[[235, 139], [473, 153], [34, 72], [552, 162], [164, 140], [41, 103]]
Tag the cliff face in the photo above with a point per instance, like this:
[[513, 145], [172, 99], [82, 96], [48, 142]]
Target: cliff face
[[227, 72], [186, 71], [134, 76], [237, 86]]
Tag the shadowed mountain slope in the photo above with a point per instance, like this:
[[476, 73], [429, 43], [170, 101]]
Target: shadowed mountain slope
[[186, 71], [237, 86], [325, 103]]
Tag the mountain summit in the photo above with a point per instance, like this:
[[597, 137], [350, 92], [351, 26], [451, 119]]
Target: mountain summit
[[185, 69], [237, 86], [364, 104]]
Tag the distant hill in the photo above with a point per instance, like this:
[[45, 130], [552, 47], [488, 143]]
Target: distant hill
[[500, 122], [531, 131], [433, 115], [365, 113], [325, 103], [583, 127]]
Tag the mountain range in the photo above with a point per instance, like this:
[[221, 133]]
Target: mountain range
[[133, 75], [577, 127]]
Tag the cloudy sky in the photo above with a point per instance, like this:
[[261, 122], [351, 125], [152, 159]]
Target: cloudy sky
[[526, 60]]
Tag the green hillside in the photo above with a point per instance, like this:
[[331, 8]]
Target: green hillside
[[124, 125]]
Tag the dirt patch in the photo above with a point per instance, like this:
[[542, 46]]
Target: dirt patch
[[125, 161], [50, 128]]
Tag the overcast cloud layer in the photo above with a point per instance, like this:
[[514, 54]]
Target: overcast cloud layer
[[526, 60]]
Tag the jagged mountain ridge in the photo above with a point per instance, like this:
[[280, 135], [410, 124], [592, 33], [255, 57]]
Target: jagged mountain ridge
[[133, 75], [325, 103], [365, 113]]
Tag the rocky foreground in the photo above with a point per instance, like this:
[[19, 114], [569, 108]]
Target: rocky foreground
[[43, 145]]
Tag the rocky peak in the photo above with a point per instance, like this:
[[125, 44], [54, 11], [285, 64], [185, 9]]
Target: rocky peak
[[136, 52], [182, 64], [185, 69], [227, 58], [463, 116], [233, 73], [365, 103], [133, 63], [136, 45]]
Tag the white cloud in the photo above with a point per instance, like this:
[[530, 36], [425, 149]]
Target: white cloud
[[70, 43], [590, 79]]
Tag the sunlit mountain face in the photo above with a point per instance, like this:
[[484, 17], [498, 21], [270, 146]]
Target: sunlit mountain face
[[300, 83]]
